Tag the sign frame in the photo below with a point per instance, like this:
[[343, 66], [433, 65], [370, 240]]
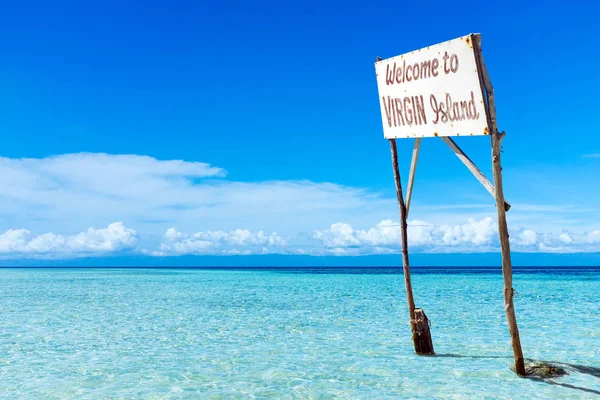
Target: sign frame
[[434, 91]]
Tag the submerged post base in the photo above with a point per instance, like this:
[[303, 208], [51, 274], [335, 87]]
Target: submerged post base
[[543, 369], [422, 334]]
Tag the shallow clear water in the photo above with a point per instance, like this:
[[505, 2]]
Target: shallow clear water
[[178, 334]]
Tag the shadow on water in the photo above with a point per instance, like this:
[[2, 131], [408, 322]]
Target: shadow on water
[[566, 368], [550, 380], [582, 369], [559, 369]]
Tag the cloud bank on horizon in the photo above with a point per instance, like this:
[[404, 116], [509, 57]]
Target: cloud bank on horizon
[[339, 239], [174, 207]]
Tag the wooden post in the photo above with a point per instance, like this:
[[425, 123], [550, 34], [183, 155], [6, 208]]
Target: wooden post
[[422, 332], [496, 139], [417, 336], [509, 307]]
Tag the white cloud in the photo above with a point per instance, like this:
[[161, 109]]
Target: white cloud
[[21, 243], [565, 238], [69, 193], [476, 233], [338, 235], [237, 242], [570, 242], [524, 237], [75, 191], [423, 237], [339, 239]]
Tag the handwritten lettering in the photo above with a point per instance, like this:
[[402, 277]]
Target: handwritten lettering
[[446, 56], [401, 73], [450, 110], [434, 66], [454, 63], [442, 103]]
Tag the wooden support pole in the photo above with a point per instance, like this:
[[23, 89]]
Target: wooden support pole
[[404, 233], [411, 174], [509, 307], [417, 336], [473, 168], [496, 139]]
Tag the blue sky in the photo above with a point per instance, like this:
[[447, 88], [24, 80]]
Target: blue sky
[[201, 128]]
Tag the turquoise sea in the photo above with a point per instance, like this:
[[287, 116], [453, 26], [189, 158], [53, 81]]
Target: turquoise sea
[[291, 333]]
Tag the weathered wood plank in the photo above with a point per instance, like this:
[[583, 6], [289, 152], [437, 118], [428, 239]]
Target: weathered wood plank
[[473, 168], [496, 139], [411, 174]]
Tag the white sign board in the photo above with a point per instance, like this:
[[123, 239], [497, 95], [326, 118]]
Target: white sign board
[[435, 91]]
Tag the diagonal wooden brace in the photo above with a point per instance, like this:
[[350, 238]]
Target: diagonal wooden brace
[[411, 174], [473, 168]]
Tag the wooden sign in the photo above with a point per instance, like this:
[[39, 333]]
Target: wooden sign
[[435, 91], [439, 91]]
